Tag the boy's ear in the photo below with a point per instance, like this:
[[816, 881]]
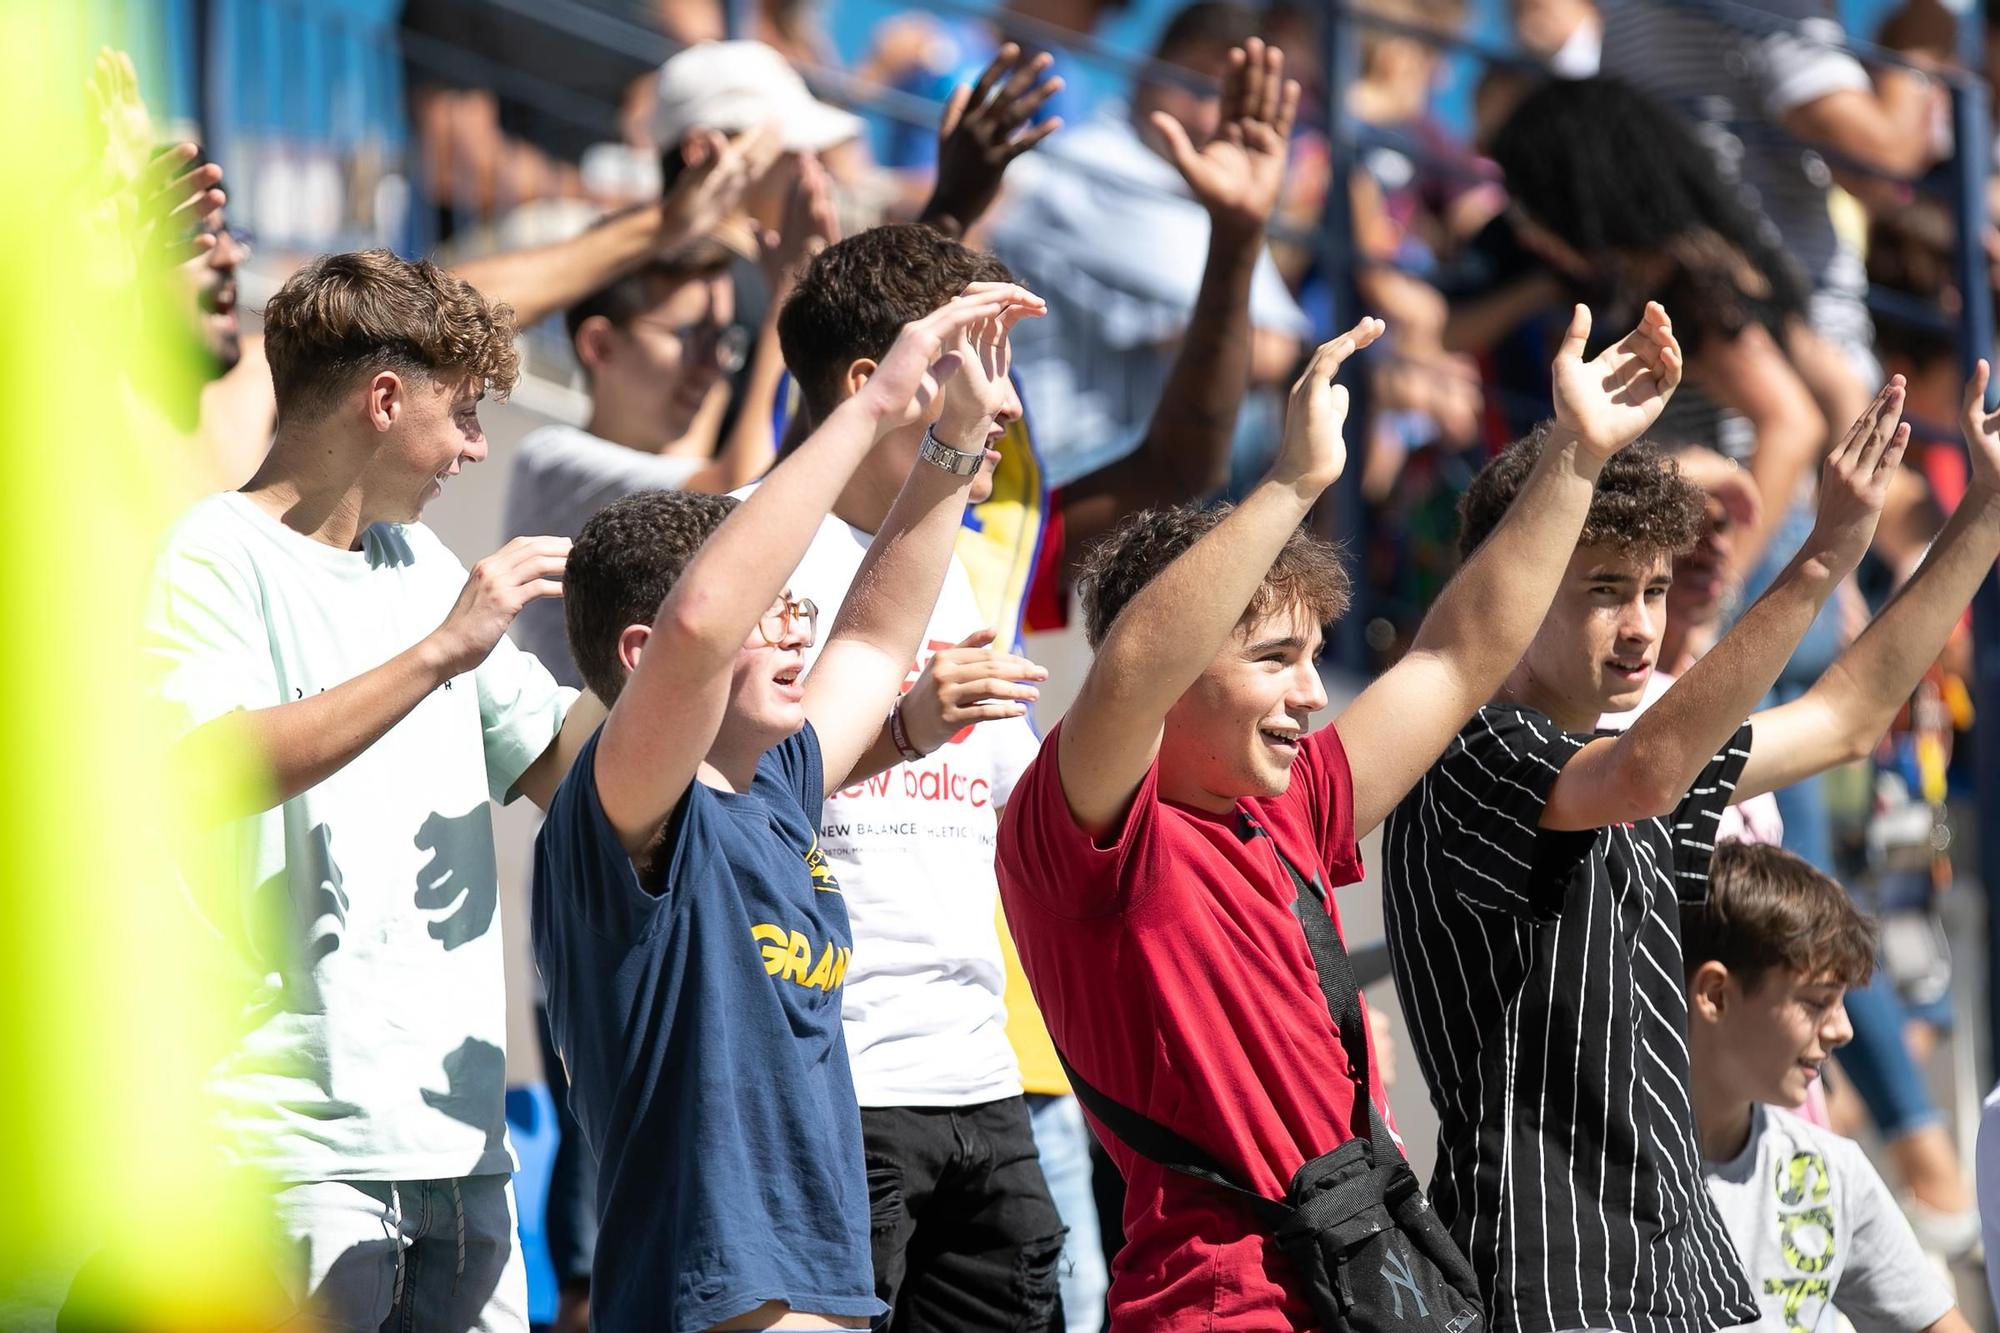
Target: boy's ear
[[1708, 992], [632, 642], [593, 337], [858, 371]]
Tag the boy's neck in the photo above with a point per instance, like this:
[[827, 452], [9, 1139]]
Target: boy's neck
[[309, 485], [1721, 1120], [633, 429], [1524, 687]]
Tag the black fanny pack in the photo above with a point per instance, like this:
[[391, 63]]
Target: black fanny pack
[[1368, 1249]]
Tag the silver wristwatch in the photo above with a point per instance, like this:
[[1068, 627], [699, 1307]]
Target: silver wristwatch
[[941, 455]]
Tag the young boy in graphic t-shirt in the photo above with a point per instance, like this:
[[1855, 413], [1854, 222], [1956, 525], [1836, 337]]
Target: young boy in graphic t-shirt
[[1535, 878], [692, 937], [1140, 855], [1769, 957]]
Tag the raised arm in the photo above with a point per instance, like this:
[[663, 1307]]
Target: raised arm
[[1846, 711], [867, 656], [307, 741], [1645, 772], [548, 278], [667, 716], [1170, 632], [1488, 614], [1237, 176], [982, 131]]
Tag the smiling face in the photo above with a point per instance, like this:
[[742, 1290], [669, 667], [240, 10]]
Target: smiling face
[[1766, 1042], [430, 429], [1235, 733], [1601, 638]]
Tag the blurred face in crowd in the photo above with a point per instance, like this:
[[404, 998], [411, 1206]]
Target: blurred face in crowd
[[1236, 731], [1701, 576], [215, 293], [429, 429], [661, 364], [1199, 112], [1544, 25], [1767, 1042], [1601, 639]]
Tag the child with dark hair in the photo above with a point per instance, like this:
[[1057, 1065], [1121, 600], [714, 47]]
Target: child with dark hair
[[1534, 881], [1154, 859], [1769, 957], [693, 938]]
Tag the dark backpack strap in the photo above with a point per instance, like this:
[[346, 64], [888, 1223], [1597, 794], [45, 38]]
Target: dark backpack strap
[[1155, 1142], [1336, 974]]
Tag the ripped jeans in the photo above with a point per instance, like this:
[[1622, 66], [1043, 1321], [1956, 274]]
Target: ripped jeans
[[964, 1234], [436, 1256]]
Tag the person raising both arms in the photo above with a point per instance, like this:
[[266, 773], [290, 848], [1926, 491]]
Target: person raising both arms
[[1151, 858]]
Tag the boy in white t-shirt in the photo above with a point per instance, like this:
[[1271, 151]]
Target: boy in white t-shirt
[[311, 618], [1769, 957]]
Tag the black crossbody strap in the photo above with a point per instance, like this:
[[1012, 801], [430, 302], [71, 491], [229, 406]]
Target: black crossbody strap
[[1154, 1141], [1336, 975]]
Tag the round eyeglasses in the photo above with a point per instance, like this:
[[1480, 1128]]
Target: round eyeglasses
[[776, 625]]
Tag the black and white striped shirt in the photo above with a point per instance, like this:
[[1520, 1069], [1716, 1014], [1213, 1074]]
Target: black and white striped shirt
[[1540, 973]]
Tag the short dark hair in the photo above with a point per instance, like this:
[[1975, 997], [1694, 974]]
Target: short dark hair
[[622, 566], [1642, 503], [1766, 908], [1219, 24], [630, 296], [857, 294], [344, 315], [1308, 573]]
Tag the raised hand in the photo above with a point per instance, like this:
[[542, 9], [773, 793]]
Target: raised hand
[[494, 593], [1615, 397], [928, 351], [1855, 482], [808, 227], [1982, 433], [1238, 175], [968, 683], [982, 131], [1313, 455], [712, 186]]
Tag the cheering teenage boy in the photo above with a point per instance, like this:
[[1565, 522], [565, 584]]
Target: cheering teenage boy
[[1142, 895], [1535, 879], [690, 932]]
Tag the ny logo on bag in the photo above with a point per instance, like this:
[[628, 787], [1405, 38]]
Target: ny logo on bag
[[1400, 1279]]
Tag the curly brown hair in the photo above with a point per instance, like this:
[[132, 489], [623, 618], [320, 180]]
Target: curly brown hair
[[1307, 575], [1767, 907], [344, 315], [1642, 503], [622, 566]]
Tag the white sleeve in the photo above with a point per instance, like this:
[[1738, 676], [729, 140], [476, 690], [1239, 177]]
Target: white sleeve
[[1888, 1286], [1804, 65], [521, 708], [1015, 746], [207, 649], [1272, 306]]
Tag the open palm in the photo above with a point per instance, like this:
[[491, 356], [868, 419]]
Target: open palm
[[1238, 175], [1615, 397], [1982, 432]]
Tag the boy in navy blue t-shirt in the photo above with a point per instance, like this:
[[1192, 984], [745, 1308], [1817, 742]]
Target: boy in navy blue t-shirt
[[691, 936]]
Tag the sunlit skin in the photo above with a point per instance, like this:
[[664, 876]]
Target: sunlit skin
[[1601, 640], [433, 428], [1766, 1042], [1235, 733], [766, 691]]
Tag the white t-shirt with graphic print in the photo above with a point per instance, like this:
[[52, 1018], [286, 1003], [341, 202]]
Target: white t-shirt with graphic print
[[373, 1046]]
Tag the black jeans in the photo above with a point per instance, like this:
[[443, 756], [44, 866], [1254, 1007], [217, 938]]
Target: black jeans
[[964, 1234]]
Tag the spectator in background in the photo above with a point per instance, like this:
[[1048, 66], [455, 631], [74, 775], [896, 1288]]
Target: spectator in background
[[1770, 85], [1122, 263]]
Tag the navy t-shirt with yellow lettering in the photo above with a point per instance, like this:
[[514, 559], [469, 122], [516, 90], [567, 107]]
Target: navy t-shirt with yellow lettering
[[696, 1007]]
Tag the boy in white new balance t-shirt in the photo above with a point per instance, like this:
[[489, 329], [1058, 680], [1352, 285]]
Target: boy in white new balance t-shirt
[[313, 619]]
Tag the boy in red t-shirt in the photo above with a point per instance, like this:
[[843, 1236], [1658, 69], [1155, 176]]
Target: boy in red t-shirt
[[1155, 929]]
